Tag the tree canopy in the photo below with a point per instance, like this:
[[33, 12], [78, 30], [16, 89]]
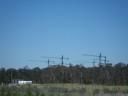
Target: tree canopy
[[108, 75]]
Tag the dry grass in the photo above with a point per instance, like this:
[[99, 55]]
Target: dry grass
[[63, 90]]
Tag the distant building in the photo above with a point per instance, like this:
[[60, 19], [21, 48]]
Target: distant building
[[20, 82]]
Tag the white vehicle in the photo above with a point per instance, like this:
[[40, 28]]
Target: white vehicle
[[20, 82]]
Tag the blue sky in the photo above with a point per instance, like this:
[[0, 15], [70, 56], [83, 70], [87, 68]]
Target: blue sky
[[30, 29]]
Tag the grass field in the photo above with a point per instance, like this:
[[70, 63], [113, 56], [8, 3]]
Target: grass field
[[62, 90]]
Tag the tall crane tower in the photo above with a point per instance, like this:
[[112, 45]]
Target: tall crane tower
[[61, 58], [100, 57], [104, 73]]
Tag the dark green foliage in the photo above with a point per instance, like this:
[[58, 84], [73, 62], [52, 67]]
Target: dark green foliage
[[43, 94], [108, 75], [9, 93], [3, 91], [29, 92], [20, 91]]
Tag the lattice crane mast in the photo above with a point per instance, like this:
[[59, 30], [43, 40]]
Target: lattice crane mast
[[61, 58], [100, 57]]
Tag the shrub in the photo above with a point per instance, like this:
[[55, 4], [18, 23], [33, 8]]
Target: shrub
[[9, 93], [29, 92], [106, 90], [43, 94], [2, 91], [96, 91]]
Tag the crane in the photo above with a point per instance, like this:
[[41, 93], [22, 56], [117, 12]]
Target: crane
[[100, 57], [61, 58]]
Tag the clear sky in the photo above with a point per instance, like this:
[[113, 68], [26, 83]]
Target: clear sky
[[30, 29]]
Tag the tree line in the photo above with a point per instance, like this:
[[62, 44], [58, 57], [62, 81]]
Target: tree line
[[106, 75]]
